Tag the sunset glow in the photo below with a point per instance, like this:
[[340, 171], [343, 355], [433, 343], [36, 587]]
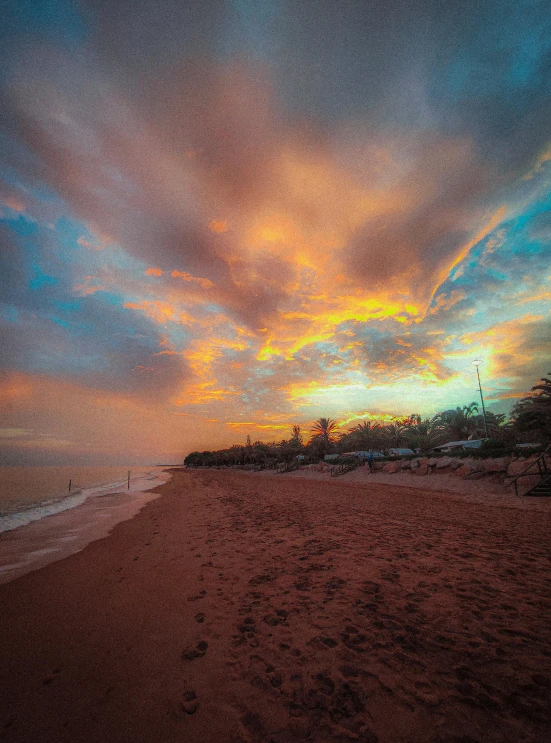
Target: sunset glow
[[208, 234]]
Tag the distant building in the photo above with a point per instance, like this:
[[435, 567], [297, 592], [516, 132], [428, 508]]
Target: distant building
[[363, 454], [400, 452], [456, 445]]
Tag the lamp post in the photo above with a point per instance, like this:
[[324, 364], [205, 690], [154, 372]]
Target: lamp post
[[476, 362]]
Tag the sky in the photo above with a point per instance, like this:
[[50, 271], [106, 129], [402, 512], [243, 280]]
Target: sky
[[224, 218]]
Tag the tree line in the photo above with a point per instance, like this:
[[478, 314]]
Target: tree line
[[530, 421]]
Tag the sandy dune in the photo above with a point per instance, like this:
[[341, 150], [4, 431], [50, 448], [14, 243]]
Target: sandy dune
[[247, 608]]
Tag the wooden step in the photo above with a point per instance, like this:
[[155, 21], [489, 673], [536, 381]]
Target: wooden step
[[542, 489]]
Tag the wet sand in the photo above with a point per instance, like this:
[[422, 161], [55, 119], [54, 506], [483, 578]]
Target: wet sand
[[247, 608]]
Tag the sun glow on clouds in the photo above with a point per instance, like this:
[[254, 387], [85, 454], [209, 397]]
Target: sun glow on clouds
[[208, 243]]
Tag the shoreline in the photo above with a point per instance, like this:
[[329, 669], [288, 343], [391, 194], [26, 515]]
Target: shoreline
[[36, 543], [246, 609]]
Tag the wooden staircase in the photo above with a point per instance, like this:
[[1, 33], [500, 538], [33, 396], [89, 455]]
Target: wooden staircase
[[541, 488], [283, 467], [346, 466]]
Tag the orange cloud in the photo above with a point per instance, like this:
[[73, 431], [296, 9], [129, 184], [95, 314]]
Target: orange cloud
[[443, 302], [204, 283], [14, 387], [90, 245], [161, 312], [15, 203], [218, 225], [87, 288], [497, 217], [153, 272]]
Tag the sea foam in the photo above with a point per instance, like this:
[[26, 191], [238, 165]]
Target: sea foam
[[18, 516]]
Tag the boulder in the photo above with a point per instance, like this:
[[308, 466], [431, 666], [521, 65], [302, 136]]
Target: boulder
[[463, 471], [406, 464], [392, 467], [414, 463], [456, 463], [499, 464], [469, 467], [443, 462], [433, 461], [423, 469]]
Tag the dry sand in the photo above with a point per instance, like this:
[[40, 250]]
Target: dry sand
[[247, 608]]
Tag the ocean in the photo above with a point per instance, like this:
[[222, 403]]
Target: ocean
[[41, 520]]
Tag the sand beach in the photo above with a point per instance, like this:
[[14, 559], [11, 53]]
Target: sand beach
[[244, 607]]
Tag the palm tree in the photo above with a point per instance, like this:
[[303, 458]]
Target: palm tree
[[494, 424], [394, 433], [422, 434], [532, 414], [460, 423], [324, 434], [366, 435], [296, 438]]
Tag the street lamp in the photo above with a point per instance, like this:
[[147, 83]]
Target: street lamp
[[476, 362]]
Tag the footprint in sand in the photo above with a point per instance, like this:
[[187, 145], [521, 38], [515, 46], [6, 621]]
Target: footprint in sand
[[200, 595], [190, 705], [272, 620], [197, 651], [329, 642], [200, 617], [248, 627]]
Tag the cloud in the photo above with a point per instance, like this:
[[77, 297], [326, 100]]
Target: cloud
[[91, 337], [284, 213], [14, 433], [374, 211]]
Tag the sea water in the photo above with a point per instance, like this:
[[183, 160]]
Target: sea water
[[42, 521], [31, 493]]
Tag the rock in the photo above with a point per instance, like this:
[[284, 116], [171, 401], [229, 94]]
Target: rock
[[433, 461], [392, 467], [414, 464], [464, 470], [467, 466], [406, 464], [456, 463], [496, 465], [423, 469], [443, 462]]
